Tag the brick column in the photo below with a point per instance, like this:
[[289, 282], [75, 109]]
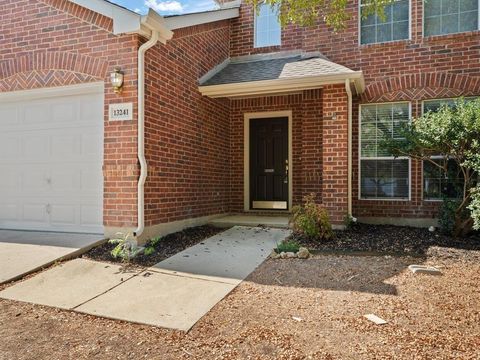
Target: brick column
[[335, 152]]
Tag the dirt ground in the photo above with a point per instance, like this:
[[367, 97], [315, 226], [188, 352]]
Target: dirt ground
[[288, 309]]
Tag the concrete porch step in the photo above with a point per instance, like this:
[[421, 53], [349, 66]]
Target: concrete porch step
[[280, 221]]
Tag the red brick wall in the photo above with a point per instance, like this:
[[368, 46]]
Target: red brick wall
[[412, 70], [187, 135], [319, 150], [54, 43]]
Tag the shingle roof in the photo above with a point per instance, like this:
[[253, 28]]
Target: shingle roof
[[273, 69]]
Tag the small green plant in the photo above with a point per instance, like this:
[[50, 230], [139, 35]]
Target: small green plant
[[288, 246], [349, 221], [151, 245], [312, 220], [126, 247]]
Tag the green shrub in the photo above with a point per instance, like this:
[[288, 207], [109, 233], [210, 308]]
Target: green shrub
[[126, 247], [446, 216], [312, 220], [288, 246]]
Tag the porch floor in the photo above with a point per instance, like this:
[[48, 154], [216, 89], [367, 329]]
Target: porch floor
[[280, 221]]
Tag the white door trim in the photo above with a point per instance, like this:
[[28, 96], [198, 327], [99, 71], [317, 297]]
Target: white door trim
[[246, 153]]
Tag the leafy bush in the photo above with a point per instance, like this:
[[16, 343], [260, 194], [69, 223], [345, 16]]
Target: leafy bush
[[312, 219], [126, 248], [288, 246], [446, 216], [474, 207], [151, 245], [454, 133]]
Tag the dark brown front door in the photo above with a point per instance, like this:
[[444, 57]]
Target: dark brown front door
[[269, 163]]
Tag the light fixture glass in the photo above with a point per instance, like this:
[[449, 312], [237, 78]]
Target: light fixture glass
[[116, 79]]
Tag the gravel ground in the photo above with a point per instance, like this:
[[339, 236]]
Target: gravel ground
[[287, 309], [389, 239], [168, 246]]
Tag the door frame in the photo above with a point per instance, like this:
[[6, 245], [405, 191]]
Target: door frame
[[246, 154]]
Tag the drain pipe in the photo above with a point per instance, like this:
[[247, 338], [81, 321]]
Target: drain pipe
[[350, 145], [141, 132]]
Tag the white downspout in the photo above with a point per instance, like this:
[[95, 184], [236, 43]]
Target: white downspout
[[141, 132], [350, 145]]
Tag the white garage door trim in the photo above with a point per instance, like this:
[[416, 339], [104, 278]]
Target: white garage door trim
[[51, 157]]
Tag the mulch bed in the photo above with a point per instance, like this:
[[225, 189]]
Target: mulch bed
[[168, 246], [388, 239]]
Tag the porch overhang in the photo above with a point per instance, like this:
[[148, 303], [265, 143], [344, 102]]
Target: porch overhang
[[283, 86], [277, 73]]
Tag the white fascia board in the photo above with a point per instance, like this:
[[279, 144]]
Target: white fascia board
[[126, 21], [187, 20], [281, 85]]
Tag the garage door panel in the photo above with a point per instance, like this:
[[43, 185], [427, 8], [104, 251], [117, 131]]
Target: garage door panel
[[89, 214], [51, 156], [9, 211], [65, 111], [34, 212], [63, 214], [36, 113], [9, 115]]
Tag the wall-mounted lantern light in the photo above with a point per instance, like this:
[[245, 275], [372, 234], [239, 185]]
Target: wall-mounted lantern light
[[116, 78]]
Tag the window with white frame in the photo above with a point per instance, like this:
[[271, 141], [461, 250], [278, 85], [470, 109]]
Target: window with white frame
[[450, 16], [268, 31], [381, 175], [444, 180], [395, 25]]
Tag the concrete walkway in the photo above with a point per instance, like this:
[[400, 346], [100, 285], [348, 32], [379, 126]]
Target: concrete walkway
[[175, 293], [23, 252]]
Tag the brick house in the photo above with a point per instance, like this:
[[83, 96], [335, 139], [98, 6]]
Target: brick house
[[220, 112]]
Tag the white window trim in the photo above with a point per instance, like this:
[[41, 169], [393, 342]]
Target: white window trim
[[360, 158], [384, 42], [255, 32], [455, 33]]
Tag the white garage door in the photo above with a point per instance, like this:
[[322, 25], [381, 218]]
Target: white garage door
[[51, 155]]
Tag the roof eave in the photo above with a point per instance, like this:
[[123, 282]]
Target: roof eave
[[278, 86], [126, 21], [187, 20]]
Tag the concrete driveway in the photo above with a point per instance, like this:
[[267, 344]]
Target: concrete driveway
[[23, 252]]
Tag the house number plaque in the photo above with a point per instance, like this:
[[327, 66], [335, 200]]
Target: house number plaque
[[120, 112]]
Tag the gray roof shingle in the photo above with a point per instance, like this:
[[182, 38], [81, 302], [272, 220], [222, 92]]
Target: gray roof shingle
[[273, 69]]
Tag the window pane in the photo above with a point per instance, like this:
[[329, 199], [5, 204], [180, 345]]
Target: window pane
[[395, 25], [439, 184], [450, 16], [469, 21], [468, 5], [449, 24], [433, 26], [433, 7], [385, 179], [379, 122], [267, 27]]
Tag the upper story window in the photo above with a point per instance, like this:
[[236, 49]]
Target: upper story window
[[450, 16], [268, 31], [382, 176], [395, 25]]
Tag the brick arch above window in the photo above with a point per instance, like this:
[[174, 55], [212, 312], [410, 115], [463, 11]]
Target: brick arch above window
[[422, 86], [42, 62]]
